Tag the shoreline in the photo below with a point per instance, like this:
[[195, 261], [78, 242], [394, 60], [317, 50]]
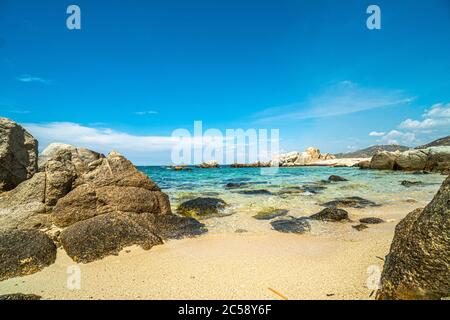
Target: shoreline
[[228, 265]]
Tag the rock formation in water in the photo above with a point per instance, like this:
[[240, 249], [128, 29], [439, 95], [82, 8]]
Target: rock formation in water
[[18, 155], [418, 264]]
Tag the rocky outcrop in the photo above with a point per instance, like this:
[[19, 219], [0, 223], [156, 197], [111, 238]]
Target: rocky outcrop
[[350, 202], [97, 205], [384, 160], [334, 178], [307, 157], [430, 159], [418, 263], [209, 165], [18, 155], [24, 252], [270, 213]]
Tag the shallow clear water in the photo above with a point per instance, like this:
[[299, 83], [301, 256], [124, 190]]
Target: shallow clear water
[[382, 187]]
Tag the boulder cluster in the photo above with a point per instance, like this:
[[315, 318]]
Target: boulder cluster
[[430, 159], [295, 158], [89, 204]]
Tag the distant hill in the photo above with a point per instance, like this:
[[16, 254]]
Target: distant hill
[[370, 151], [436, 143]]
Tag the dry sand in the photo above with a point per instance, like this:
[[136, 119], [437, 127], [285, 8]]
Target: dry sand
[[226, 266]]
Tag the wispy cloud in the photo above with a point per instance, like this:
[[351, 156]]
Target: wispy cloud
[[145, 113], [343, 98], [29, 79], [376, 134]]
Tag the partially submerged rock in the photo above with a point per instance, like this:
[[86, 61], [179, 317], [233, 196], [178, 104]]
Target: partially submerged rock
[[384, 160], [418, 263], [24, 252], [331, 214], [202, 208], [236, 185], [294, 225], [335, 178], [18, 155], [255, 192], [209, 165], [352, 202], [270, 213], [408, 184]]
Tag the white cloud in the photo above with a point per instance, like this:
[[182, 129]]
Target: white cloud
[[438, 116], [344, 98], [28, 79], [377, 134], [397, 137], [144, 113]]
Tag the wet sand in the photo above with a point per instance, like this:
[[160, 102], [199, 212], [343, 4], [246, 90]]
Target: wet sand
[[251, 265]]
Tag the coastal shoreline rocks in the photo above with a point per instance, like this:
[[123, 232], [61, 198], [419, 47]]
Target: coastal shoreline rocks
[[418, 263], [90, 204]]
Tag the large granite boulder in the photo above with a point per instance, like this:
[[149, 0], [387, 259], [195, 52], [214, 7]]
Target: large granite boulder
[[23, 252], [411, 160], [418, 264], [384, 160], [438, 159], [309, 156], [18, 155]]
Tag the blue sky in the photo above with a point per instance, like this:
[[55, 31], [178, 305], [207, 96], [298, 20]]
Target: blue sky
[[140, 69]]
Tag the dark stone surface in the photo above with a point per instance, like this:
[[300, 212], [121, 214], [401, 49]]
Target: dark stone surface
[[107, 234], [331, 214], [408, 184], [360, 227], [202, 207], [255, 192], [352, 202], [20, 296], [270, 213], [295, 225], [371, 220], [334, 178], [24, 252], [418, 263]]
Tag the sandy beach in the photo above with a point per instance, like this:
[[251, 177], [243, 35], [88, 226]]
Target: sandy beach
[[231, 266]]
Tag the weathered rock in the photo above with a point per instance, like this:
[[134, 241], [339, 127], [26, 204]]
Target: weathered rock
[[418, 264], [352, 202], [334, 178], [365, 164], [438, 159], [202, 208], [411, 160], [209, 165], [171, 226], [307, 157], [291, 190], [270, 213], [107, 234], [80, 157], [23, 202], [295, 225], [384, 160], [20, 296], [23, 252], [314, 188], [371, 220], [86, 202], [18, 155], [331, 214], [408, 184]]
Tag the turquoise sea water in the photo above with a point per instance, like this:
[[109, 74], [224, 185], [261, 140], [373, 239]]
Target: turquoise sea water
[[382, 187]]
